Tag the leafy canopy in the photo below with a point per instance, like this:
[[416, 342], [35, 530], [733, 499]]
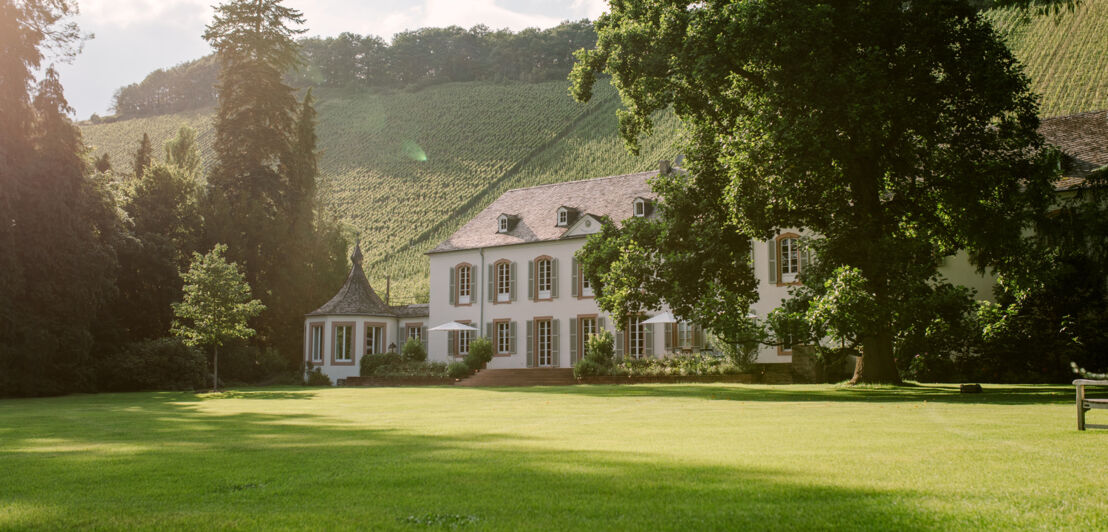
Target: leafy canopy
[[899, 132], [216, 303]]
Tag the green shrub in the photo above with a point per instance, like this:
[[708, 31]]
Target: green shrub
[[599, 349], [317, 378], [162, 364], [412, 369], [369, 363], [458, 370], [240, 362], [480, 353], [587, 368], [414, 351]]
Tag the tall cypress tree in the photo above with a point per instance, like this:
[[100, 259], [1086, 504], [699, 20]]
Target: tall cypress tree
[[262, 186], [142, 156]]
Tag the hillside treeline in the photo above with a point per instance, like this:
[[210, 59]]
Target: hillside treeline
[[414, 59]]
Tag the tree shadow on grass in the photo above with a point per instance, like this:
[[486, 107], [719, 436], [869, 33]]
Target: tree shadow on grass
[[992, 394], [179, 466]]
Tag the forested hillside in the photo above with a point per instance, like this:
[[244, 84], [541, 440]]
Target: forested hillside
[[405, 168]]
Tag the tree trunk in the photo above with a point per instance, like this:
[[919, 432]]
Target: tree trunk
[[215, 367], [876, 365]]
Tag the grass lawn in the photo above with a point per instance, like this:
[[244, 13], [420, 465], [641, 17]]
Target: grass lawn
[[648, 457]]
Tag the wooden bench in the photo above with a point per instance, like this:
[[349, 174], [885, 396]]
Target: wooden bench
[[1085, 404]]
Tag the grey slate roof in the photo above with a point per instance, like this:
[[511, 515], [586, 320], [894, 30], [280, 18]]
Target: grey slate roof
[[357, 298], [537, 209], [1084, 138]]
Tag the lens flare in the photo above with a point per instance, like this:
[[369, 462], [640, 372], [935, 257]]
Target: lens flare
[[413, 151]]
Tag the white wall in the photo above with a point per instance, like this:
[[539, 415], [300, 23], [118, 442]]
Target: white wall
[[336, 372]]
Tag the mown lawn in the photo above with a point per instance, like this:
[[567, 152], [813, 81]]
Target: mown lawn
[[659, 457]]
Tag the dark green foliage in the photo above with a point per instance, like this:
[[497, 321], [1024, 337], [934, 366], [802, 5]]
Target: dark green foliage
[[681, 365], [142, 157], [899, 132], [480, 353], [414, 351], [458, 370], [245, 363], [369, 363], [599, 356], [162, 364], [315, 377], [102, 164], [261, 191], [407, 368], [57, 225]]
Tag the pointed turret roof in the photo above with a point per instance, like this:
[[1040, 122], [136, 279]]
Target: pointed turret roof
[[356, 297]]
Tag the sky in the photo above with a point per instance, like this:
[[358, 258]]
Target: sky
[[134, 37]]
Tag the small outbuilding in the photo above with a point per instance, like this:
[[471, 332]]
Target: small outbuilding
[[357, 322]]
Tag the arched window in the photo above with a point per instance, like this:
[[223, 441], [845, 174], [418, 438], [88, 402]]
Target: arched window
[[503, 281], [464, 284], [563, 217]]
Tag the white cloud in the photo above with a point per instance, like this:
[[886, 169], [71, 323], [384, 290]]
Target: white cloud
[[124, 13], [590, 9]]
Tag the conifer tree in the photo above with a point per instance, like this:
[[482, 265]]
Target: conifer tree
[[142, 156]]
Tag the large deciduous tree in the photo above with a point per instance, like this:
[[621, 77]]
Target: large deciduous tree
[[900, 132]]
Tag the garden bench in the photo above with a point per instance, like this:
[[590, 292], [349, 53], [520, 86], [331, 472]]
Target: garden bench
[[1085, 404]]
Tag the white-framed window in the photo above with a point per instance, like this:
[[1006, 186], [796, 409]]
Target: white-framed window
[[544, 343], [374, 339], [344, 343], [563, 217], [790, 259], [413, 330], [503, 337], [316, 344], [543, 274], [503, 282], [465, 273], [463, 342], [502, 225], [588, 328], [640, 208], [636, 338], [686, 335], [586, 284]]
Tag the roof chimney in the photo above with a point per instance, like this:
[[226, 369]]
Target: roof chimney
[[663, 167]]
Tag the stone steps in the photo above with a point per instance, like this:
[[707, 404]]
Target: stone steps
[[521, 377]]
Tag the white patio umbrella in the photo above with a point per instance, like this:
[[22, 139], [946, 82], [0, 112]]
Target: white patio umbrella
[[453, 326], [665, 317]]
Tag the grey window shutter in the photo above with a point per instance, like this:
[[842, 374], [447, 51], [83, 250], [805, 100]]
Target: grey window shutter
[[668, 336], [554, 341], [512, 337], [554, 279], [572, 341], [531, 280], [488, 334], [701, 339], [473, 284], [771, 250], [530, 344], [619, 344], [450, 344], [573, 277], [512, 281], [452, 285], [805, 258], [600, 325], [648, 337], [492, 281]]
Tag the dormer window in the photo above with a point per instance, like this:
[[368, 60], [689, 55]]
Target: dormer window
[[640, 207], [563, 217], [502, 224]]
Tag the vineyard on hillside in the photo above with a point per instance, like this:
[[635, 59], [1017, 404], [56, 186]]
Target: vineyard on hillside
[[405, 169], [1065, 56]]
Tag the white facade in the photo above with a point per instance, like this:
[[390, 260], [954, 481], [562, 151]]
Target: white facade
[[567, 308], [325, 347]]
